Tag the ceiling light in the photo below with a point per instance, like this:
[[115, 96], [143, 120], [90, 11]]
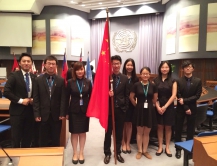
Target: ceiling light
[[118, 1], [83, 5], [100, 3], [72, 2]]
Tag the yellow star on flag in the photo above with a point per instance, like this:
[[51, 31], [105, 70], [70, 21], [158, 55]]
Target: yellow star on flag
[[103, 53]]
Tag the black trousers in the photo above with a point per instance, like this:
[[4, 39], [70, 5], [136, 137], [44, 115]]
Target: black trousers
[[50, 131], [119, 125], [180, 117], [22, 128]]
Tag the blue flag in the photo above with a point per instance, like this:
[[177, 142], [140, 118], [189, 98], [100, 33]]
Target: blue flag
[[88, 71]]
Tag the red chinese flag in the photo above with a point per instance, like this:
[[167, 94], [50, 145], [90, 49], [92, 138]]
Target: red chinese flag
[[15, 65], [99, 102], [64, 69]]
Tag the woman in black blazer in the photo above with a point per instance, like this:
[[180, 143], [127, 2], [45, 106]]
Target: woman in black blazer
[[78, 94]]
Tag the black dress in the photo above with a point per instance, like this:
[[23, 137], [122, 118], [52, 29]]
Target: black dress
[[164, 93], [130, 111], [144, 116], [78, 121]]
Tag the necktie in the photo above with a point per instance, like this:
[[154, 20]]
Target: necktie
[[50, 83], [27, 82], [116, 81], [188, 83]]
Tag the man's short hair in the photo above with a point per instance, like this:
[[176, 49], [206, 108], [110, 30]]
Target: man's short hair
[[24, 54], [50, 58], [187, 63], [116, 57]]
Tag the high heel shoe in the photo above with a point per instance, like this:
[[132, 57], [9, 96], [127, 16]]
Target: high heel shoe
[[74, 161], [124, 151], [81, 161], [158, 154], [168, 154]]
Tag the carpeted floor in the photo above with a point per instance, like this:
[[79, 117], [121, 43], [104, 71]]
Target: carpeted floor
[[94, 155]]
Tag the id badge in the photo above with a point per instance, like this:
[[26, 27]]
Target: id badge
[[145, 104], [81, 101]]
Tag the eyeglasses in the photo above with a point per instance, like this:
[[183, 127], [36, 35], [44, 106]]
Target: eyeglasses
[[49, 64], [145, 74], [116, 64]]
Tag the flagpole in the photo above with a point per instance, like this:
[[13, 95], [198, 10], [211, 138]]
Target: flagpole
[[112, 97]]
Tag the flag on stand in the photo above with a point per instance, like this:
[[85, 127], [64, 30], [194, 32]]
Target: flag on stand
[[81, 56], [33, 68], [42, 67], [88, 71], [99, 102], [64, 68], [15, 65]]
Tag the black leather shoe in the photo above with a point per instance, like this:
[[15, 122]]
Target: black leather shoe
[[178, 154], [81, 161], [158, 154], [120, 159], [129, 151], [107, 159], [75, 161], [169, 154]]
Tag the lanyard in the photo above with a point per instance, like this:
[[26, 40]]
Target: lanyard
[[80, 88], [145, 91], [50, 84]]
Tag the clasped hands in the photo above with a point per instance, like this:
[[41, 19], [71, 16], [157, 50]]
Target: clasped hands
[[181, 101], [27, 101]]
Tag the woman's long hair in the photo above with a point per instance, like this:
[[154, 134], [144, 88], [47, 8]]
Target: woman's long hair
[[133, 71]]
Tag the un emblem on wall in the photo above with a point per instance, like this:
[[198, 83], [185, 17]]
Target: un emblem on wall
[[124, 40]]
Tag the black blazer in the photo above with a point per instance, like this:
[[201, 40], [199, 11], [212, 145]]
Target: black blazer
[[191, 95], [121, 94], [74, 93], [15, 89], [43, 105]]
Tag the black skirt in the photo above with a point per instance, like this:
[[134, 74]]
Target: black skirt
[[78, 123]]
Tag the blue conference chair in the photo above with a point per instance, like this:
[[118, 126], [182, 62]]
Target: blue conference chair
[[210, 114], [4, 128], [187, 146]]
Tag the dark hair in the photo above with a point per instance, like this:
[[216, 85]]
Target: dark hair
[[170, 69], [72, 64], [134, 68], [77, 66], [187, 63], [91, 67], [116, 57], [145, 68], [50, 58], [24, 54]]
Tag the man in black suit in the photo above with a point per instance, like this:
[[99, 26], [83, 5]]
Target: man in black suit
[[189, 91], [18, 90], [121, 100], [49, 103]]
